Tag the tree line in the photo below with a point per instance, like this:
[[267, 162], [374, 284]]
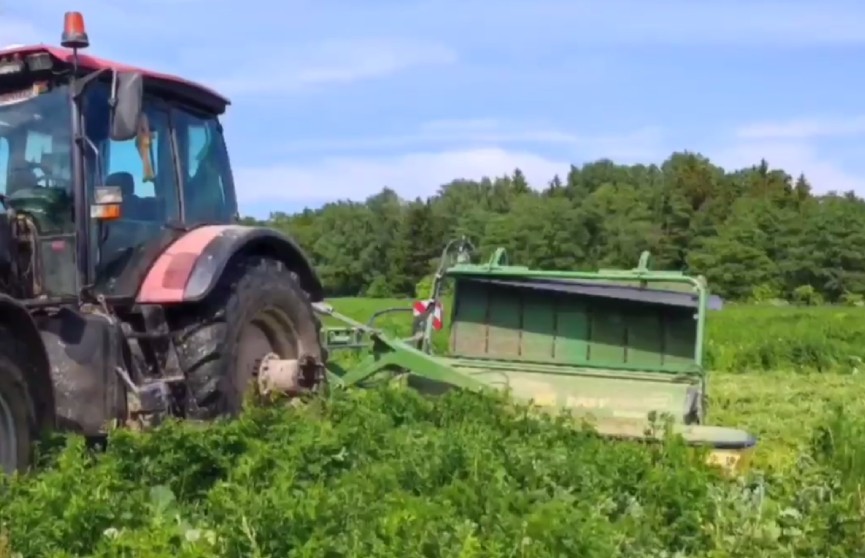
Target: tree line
[[754, 233]]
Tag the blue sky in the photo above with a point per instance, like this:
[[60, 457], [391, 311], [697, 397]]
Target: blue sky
[[335, 99]]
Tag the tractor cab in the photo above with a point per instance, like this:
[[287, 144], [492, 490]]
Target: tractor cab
[[101, 167]]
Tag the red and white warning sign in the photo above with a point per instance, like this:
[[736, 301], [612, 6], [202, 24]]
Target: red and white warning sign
[[421, 306]]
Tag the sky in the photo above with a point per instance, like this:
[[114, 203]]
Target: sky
[[334, 100]]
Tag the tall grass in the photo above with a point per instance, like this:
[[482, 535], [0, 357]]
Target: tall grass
[[763, 338], [387, 473]]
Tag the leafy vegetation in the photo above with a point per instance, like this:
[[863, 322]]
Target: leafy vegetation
[[755, 233], [765, 338], [389, 473]]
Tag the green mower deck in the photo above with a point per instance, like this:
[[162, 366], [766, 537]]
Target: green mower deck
[[614, 347]]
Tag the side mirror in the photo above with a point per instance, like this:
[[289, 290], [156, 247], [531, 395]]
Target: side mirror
[[127, 100]]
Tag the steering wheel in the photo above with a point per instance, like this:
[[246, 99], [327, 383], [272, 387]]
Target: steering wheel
[[47, 172]]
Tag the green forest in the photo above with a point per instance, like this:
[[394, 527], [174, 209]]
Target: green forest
[[756, 234]]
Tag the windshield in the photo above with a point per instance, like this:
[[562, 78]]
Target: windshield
[[35, 153]]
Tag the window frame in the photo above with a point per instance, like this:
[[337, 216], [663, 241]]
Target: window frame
[[18, 141], [153, 104], [179, 111]]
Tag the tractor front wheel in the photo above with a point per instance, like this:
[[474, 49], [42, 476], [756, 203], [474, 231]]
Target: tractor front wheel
[[17, 412], [258, 309]]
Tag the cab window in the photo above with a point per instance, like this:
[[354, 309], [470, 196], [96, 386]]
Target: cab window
[[208, 192], [4, 163]]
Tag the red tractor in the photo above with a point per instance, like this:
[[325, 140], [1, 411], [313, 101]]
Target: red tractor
[[129, 290]]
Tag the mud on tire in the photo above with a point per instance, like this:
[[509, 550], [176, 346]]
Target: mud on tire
[[18, 424], [213, 339]]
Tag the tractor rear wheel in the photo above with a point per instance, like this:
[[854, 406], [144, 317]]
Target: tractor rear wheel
[[259, 308], [17, 412]]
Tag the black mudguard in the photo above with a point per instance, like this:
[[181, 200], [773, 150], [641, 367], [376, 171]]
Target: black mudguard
[[123, 275], [241, 241], [84, 351]]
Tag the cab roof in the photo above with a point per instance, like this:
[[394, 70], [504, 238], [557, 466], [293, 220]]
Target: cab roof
[[185, 89]]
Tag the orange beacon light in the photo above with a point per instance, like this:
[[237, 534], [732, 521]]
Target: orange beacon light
[[74, 33]]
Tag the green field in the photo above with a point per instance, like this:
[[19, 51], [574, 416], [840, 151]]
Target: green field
[[388, 473]]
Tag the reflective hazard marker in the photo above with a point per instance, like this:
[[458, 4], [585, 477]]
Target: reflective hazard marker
[[421, 306]]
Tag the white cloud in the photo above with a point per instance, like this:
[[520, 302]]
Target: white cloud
[[333, 62], [631, 21], [805, 128], [796, 146], [779, 22], [414, 174], [794, 157], [264, 26], [341, 61], [729, 22], [456, 125], [442, 151], [421, 172], [16, 31], [236, 51], [492, 132]]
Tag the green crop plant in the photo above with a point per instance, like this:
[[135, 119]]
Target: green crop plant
[[388, 472]]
